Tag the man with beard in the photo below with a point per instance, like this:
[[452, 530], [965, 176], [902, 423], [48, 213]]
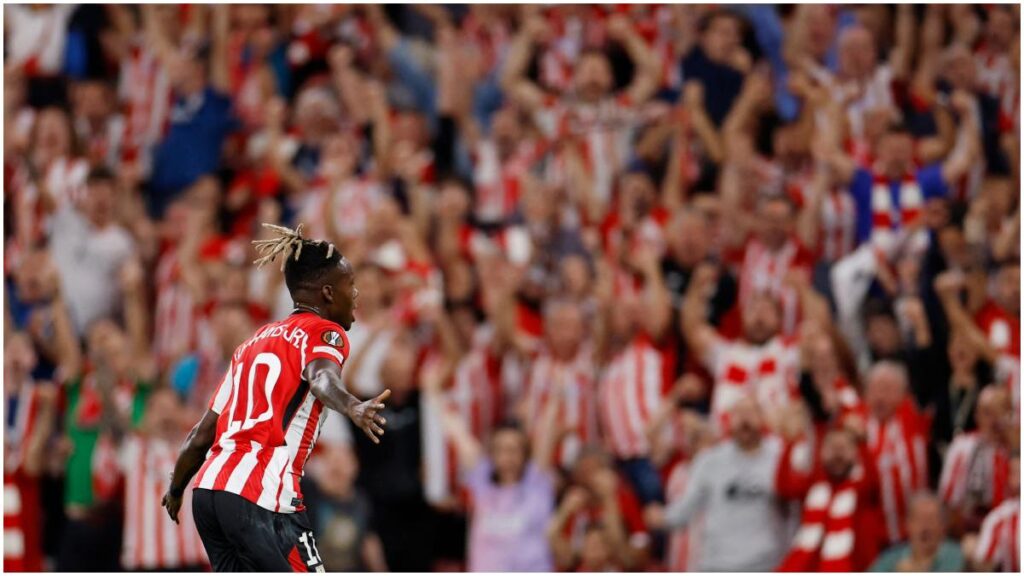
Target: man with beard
[[761, 361], [840, 523]]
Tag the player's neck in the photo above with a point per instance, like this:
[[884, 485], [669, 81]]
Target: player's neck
[[300, 307]]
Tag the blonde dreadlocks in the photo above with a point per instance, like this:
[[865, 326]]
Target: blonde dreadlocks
[[288, 243]]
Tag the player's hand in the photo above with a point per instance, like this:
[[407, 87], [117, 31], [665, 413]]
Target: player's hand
[[172, 504], [364, 415]]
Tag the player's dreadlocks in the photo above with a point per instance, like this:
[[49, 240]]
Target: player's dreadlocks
[[304, 261]]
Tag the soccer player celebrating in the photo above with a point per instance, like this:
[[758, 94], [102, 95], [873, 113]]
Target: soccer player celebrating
[[266, 415]]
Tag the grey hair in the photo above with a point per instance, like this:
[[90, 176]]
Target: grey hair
[[896, 368]]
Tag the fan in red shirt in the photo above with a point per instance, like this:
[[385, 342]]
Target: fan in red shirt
[[251, 446], [840, 525]]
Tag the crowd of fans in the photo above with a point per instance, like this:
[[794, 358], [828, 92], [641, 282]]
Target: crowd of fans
[[653, 286]]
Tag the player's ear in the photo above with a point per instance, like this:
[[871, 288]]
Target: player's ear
[[327, 292]]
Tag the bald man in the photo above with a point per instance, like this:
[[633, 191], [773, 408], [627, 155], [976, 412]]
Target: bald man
[[732, 487], [927, 548], [975, 472]]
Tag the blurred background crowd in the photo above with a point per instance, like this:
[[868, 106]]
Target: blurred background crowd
[[654, 287]]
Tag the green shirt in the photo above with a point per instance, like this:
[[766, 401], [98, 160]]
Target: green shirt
[[949, 558], [78, 477]]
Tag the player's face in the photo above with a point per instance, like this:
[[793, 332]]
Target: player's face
[[343, 305]]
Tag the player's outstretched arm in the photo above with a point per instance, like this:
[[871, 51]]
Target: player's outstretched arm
[[325, 382], [191, 458]]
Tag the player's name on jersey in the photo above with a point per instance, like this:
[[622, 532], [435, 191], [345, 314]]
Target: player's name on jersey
[[296, 337]]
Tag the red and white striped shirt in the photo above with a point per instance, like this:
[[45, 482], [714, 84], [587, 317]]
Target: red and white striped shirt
[[176, 315], [477, 396], [605, 132], [151, 539], [269, 420], [498, 182], [765, 270], [631, 389], [838, 225], [998, 542], [145, 88], [577, 411], [768, 372], [898, 447], [974, 473]]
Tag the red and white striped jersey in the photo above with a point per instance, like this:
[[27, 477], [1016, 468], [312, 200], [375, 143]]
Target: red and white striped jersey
[[151, 539], [268, 418], [577, 412], [998, 542], [145, 89], [838, 225], [898, 447], [477, 396], [995, 72], [104, 145], [974, 473], [764, 270], [176, 315], [768, 371], [498, 182], [604, 130], [631, 389], [64, 179], [573, 33]]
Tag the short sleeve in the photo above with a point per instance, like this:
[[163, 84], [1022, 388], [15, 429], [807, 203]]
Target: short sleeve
[[933, 185], [327, 341], [220, 399]]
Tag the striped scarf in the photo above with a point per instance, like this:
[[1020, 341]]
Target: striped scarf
[[825, 540]]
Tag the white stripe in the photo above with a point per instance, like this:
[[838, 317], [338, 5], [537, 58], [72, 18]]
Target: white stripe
[[224, 391], [236, 482], [14, 543], [172, 555], [629, 389], [12, 500], [213, 470], [332, 351], [128, 551], [149, 519]]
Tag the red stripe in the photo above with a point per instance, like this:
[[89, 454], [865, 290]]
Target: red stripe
[[229, 466], [996, 538], [295, 559], [158, 525], [958, 465]]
